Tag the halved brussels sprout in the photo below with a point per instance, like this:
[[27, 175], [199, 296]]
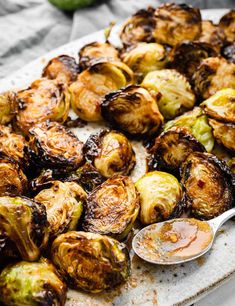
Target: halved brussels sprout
[[187, 56], [172, 147], [160, 197], [110, 152], [97, 51], [221, 105], [64, 205], [93, 84], [176, 93], [132, 109], [227, 23], [63, 68], [197, 124], [207, 184], [7, 107], [112, 208], [175, 23], [231, 164], [229, 52], [139, 27], [44, 100], [90, 261], [213, 74], [24, 222], [145, 57], [224, 133], [30, 284], [54, 146]]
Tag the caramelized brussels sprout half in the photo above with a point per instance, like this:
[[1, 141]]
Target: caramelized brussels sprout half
[[175, 23], [90, 261], [160, 197], [172, 147], [112, 208], [206, 181], [176, 93], [196, 123], [97, 51], [93, 84], [24, 222], [31, 284], [224, 133], [231, 164], [110, 152], [63, 68], [133, 110], [221, 105], [139, 27], [54, 146], [7, 107], [229, 52], [44, 100], [213, 74], [227, 23]]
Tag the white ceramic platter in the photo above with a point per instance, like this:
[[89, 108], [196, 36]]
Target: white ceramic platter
[[149, 284]]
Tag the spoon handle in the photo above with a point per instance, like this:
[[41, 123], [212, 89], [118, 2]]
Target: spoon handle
[[217, 222]]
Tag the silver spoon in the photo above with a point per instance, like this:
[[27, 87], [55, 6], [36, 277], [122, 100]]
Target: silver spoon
[[146, 251]]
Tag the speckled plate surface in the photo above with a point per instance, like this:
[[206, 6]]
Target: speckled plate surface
[[148, 284]]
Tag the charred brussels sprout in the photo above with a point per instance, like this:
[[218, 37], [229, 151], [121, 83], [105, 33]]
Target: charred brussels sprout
[[231, 164], [7, 107], [175, 23], [213, 74], [23, 222], [133, 110], [97, 51], [112, 208], [32, 284], [206, 180], [110, 152], [176, 93], [227, 23], [63, 68], [221, 105], [229, 52], [90, 261], [93, 84], [64, 204], [160, 197], [224, 133], [54, 146], [44, 100]]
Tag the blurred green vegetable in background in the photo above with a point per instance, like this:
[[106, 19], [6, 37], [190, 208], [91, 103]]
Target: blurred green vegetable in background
[[70, 5]]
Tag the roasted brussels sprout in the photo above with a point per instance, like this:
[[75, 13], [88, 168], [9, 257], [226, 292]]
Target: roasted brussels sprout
[[54, 146], [93, 84], [23, 222], [139, 27], [227, 23], [32, 284], [160, 197], [112, 208], [7, 107], [229, 52], [64, 204], [224, 133], [63, 68], [90, 261], [206, 180], [97, 51], [133, 110], [176, 93], [188, 55], [213, 74], [175, 23], [110, 152], [172, 147], [231, 164], [44, 100], [221, 105], [197, 124]]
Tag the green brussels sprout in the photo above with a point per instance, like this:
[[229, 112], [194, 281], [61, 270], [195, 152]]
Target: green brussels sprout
[[24, 222], [176, 93], [197, 124], [91, 262], [221, 105], [224, 133], [227, 23], [32, 284], [112, 208], [110, 152], [70, 5], [160, 197], [228, 52], [7, 107]]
